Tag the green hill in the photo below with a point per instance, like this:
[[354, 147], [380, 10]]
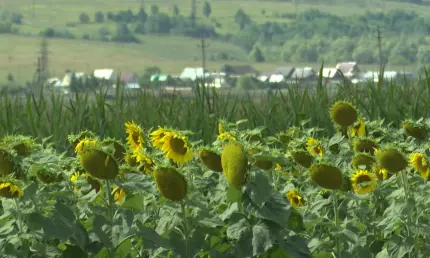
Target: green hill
[[300, 32]]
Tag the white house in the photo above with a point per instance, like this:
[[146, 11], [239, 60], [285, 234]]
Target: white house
[[106, 74], [190, 73]]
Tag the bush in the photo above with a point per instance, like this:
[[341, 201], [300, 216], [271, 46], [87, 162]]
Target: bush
[[84, 18], [99, 17]]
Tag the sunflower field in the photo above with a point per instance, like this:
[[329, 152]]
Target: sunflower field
[[339, 184]]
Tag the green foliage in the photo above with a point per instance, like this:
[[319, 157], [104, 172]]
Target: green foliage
[[99, 17], [257, 55], [84, 18], [207, 10]]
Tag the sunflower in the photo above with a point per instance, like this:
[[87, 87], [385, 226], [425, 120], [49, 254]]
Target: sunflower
[[278, 167], [314, 147], [359, 130], [143, 159], [157, 137], [295, 199], [419, 162], [363, 182], [382, 174], [85, 143], [226, 136], [343, 113], [176, 148], [118, 195], [10, 190], [135, 135]]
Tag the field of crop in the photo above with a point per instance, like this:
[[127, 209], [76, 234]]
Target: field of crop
[[300, 174]]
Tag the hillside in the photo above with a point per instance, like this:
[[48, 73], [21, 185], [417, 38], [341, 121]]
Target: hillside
[[84, 35]]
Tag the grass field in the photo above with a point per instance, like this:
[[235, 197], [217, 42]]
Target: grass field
[[18, 53], [60, 12]]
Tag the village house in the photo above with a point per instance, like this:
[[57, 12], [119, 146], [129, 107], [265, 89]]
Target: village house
[[239, 70], [302, 75], [192, 73], [281, 74], [349, 69], [104, 74]]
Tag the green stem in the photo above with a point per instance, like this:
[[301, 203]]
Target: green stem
[[336, 221], [110, 212], [18, 212], [184, 217]]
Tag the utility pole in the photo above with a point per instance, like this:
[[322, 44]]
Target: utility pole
[[193, 13], [381, 57], [203, 46]]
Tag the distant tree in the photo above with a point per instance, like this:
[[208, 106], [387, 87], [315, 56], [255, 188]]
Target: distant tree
[[154, 9], [142, 16], [84, 18], [99, 17], [123, 34], [257, 55], [242, 19], [139, 28], [176, 11], [10, 77], [207, 10], [16, 18], [110, 16]]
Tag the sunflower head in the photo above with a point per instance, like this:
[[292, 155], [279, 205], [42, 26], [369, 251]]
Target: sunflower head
[[135, 139], [359, 129], [326, 176], [176, 148], [119, 195], [314, 147], [303, 158], [416, 130], [10, 188], [221, 127], [226, 137], [74, 139], [130, 159], [211, 159], [419, 162], [99, 164], [120, 151], [365, 145], [7, 164], [170, 183], [157, 137], [286, 137], [20, 143], [86, 144], [234, 162], [343, 113], [363, 181], [381, 173], [46, 174], [392, 159], [80, 173], [362, 159], [144, 161], [295, 199]]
